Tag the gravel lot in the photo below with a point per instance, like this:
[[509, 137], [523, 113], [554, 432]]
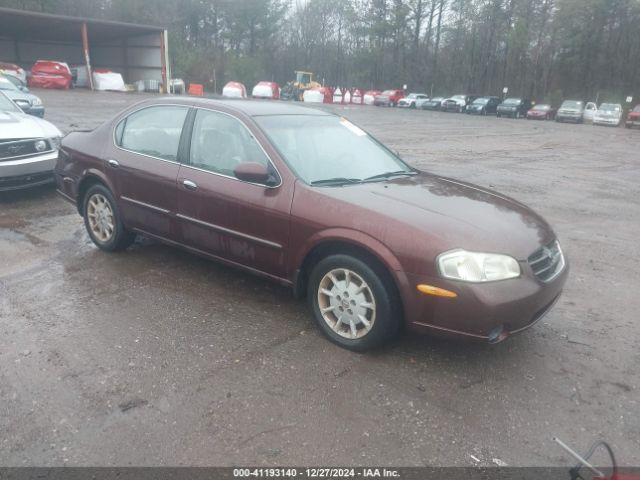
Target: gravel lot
[[158, 357]]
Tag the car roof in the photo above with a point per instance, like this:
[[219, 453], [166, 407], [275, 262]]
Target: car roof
[[252, 108]]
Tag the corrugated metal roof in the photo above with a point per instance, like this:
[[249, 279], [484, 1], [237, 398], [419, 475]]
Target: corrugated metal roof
[[26, 25]]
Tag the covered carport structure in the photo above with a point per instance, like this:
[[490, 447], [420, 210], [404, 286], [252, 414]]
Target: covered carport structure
[[137, 52]]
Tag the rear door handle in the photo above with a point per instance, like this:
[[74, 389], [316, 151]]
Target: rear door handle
[[113, 163], [190, 185]]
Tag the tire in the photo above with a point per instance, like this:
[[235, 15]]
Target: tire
[[412, 105], [498, 115], [383, 319], [99, 211]]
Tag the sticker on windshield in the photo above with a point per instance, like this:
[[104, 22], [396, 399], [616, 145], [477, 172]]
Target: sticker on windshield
[[358, 131]]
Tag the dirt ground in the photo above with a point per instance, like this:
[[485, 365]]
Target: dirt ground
[[158, 357]]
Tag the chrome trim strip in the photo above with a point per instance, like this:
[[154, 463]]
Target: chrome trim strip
[[230, 232], [142, 204], [66, 197], [226, 261]]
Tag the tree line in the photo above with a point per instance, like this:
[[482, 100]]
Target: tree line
[[542, 49]]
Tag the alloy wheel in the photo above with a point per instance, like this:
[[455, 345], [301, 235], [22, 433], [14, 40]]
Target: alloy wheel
[[346, 303], [101, 218]]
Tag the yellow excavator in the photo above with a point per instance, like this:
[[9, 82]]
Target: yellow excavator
[[295, 89]]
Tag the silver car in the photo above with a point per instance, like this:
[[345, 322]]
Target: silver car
[[28, 102], [608, 114], [28, 148], [412, 100]]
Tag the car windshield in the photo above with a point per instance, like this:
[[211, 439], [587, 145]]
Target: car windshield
[[329, 149], [610, 107], [412, 95], [571, 104], [512, 101], [6, 84], [437, 99], [458, 97], [7, 105], [542, 107], [481, 101], [388, 92]]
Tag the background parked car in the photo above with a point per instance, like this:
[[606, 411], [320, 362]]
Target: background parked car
[[457, 103], [633, 118], [575, 111], [370, 96], [388, 98], [483, 106], [432, 104], [13, 70], [411, 100], [514, 108], [608, 114], [28, 147], [542, 111], [28, 102]]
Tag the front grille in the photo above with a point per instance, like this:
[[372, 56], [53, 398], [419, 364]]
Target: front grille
[[11, 149], [547, 262]]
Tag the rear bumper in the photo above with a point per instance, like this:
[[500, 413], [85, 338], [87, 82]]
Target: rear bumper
[[486, 312], [633, 122], [614, 122]]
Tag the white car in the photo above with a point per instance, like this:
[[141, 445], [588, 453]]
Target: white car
[[411, 100], [28, 148], [608, 114]]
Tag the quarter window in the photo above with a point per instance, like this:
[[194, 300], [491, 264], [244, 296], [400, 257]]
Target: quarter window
[[220, 142], [153, 131]]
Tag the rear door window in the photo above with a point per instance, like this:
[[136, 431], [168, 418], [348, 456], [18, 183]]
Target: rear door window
[[153, 131]]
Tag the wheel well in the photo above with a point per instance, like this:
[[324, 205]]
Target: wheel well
[[86, 184], [340, 247]]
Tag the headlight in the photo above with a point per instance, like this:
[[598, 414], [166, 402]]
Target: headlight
[[477, 267], [36, 102], [55, 142]]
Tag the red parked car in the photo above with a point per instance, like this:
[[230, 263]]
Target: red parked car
[[310, 200], [633, 117], [541, 111], [388, 98]]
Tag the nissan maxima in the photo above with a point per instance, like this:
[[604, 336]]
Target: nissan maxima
[[312, 201]]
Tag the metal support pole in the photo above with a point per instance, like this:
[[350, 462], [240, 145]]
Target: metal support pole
[[85, 51], [166, 73]]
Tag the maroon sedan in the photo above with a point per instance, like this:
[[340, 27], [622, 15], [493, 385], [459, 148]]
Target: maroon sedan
[[541, 111], [308, 199]]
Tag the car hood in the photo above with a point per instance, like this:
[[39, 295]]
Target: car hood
[[21, 125], [453, 214]]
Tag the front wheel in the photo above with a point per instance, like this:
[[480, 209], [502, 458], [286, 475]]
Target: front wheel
[[103, 222], [353, 303]]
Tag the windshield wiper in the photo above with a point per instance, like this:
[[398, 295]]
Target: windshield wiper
[[389, 174], [336, 181]]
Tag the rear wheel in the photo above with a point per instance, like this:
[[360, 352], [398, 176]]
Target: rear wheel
[[353, 303], [103, 222]]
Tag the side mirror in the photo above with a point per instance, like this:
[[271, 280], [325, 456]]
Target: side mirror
[[255, 173], [24, 89]]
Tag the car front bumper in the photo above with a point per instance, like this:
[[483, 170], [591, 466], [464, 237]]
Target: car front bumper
[[27, 172], [606, 121], [569, 117], [633, 122], [488, 312]]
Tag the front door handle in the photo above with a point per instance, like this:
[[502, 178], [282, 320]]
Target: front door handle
[[190, 185], [113, 163]]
